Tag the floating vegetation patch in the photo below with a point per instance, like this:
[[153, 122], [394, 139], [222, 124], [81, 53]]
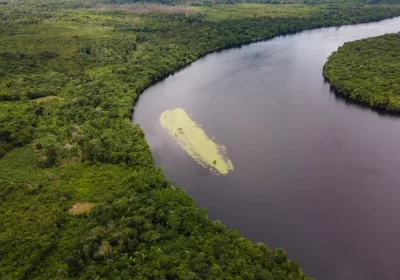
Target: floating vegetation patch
[[192, 138]]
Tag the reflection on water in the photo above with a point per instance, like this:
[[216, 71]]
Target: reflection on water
[[315, 173], [363, 106]]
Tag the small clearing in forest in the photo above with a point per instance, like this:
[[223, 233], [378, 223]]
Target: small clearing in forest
[[81, 207]]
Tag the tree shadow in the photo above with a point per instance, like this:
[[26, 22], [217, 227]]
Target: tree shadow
[[341, 98]]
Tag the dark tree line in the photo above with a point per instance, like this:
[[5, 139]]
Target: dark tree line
[[368, 71]]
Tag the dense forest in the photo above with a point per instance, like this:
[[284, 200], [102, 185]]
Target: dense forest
[[368, 71], [79, 194]]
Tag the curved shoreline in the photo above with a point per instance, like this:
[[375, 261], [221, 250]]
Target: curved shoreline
[[238, 46], [164, 86], [355, 73], [104, 159], [355, 102], [345, 98]]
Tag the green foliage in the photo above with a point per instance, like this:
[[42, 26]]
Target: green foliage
[[18, 125], [368, 71], [68, 81]]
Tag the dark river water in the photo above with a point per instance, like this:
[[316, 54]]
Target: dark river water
[[314, 174]]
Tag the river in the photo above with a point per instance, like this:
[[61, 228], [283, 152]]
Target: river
[[314, 174]]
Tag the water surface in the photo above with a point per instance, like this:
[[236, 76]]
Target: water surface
[[314, 174]]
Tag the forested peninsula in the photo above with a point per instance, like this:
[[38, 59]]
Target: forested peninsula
[[80, 197], [368, 71]]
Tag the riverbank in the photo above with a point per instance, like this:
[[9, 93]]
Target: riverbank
[[366, 71], [297, 149], [80, 147]]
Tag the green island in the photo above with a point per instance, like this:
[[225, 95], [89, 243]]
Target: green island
[[80, 197], [368, 71]]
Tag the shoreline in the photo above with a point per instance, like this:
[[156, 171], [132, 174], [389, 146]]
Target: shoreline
[[238, 46]]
